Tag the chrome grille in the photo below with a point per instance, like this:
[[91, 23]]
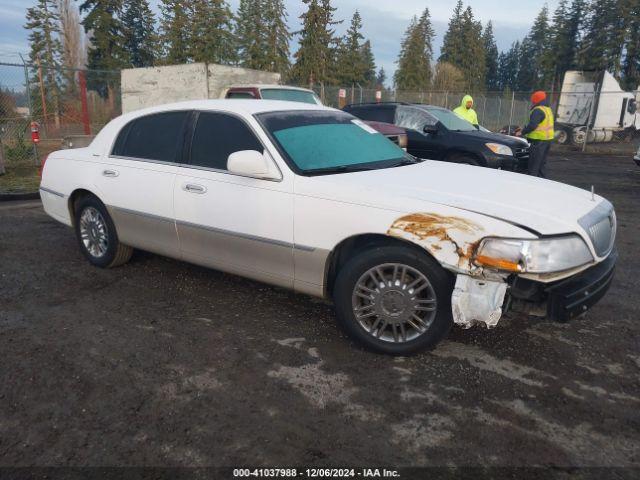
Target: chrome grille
[[600, 225], [522, 153]]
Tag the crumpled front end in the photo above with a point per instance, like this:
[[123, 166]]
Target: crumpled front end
[[484, 291], [478, 296]]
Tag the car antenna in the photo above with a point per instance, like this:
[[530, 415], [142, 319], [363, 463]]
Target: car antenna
[[593, 193]]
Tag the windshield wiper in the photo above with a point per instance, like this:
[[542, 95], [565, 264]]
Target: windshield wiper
[[339, 169], [411, 160]]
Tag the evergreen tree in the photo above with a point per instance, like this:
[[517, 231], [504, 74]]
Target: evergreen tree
[[102, 23], [533, 51], [463, 47], [138, 26], [508, 67], [251, 34], [210, 37], [105, 53], [43, 22], [381, 78], [564, 39], [350, 66], [490, 58], [453, 47], [174, 28], [277, 38], [631, 63], [315, 58], [369, 63], [472, 61], [416, 52], [604, 33]]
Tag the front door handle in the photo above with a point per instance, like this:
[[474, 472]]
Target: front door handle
[[193, 188], [110, 173]]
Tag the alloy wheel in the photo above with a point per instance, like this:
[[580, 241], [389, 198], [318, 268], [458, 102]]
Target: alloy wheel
[[394, 302]]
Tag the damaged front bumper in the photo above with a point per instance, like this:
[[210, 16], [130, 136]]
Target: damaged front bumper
[[483, 301], [570, 297]]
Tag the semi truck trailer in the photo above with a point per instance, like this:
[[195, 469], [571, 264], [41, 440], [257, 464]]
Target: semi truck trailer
[[593, 107]]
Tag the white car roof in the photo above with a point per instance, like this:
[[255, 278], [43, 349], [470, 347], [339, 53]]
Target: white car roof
[[242, 107], [247, 107]]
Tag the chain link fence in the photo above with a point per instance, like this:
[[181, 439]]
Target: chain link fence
[[584, 119], [60, 103], [48, 105]]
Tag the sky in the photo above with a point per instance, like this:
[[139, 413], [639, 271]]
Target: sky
[[384, 22]]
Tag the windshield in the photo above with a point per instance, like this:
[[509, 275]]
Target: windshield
[[330, 142], [290, 95], [450, 120]]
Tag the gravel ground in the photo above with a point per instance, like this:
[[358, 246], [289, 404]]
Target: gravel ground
[[167, 364]]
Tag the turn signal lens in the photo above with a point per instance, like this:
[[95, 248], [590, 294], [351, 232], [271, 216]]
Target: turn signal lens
[[543, 255], [498, 263]]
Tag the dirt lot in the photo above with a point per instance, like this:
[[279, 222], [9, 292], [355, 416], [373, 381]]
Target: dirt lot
[[164, 363]]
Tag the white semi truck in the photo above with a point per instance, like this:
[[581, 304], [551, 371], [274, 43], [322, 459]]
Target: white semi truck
[[592, 106]]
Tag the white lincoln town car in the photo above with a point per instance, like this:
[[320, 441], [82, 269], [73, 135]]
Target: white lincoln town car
[[312, 199]]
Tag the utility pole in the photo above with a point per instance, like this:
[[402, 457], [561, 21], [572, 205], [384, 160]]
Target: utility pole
[[27, 85]]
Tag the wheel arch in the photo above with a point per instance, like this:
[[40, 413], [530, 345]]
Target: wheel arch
[[344, 251], [77, 195], [452, 153]]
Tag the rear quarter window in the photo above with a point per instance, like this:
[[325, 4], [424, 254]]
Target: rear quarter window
[[152, 137]]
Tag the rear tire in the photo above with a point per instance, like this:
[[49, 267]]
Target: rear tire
[[97, 236], [564, 136], [394, 300]]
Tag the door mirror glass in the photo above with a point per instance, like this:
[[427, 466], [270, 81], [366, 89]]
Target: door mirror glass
[[251, 163]]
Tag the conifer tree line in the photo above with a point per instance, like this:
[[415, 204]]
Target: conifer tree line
[[126, 33], [579, 34]]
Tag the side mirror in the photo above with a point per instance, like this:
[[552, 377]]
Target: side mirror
[[251, 163], [430, 129]]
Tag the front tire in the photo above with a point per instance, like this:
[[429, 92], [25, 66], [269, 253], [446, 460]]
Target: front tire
[[97, 236], [394, 300]]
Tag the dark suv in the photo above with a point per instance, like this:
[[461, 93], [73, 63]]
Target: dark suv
[[439, 134]]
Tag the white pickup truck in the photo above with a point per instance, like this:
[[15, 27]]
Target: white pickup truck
[[311, 198]]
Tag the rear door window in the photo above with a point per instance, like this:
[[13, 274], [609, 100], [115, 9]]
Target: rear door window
[[155, 137], [218, 135]]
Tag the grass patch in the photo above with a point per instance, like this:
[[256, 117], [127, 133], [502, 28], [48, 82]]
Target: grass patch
[[20, 179]]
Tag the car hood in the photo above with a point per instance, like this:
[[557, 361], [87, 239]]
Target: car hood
[[483, 137], [544, 206]]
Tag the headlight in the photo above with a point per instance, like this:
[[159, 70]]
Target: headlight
[[499, 149], [545, 255]]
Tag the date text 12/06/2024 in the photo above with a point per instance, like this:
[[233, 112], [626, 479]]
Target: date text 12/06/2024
[[316, 473]]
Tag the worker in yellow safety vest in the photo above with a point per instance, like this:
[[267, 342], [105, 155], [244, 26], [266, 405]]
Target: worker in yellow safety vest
[[539, 131], [466, 111]]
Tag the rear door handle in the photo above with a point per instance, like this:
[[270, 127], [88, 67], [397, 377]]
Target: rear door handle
[[194, 188], [110, 173]]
